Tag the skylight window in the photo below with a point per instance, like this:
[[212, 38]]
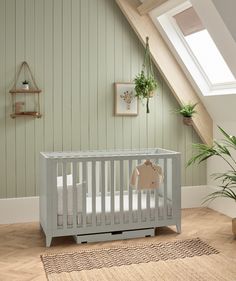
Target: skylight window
[[209, 57], [196, 51]]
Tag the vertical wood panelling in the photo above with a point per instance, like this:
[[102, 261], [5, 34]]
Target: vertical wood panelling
[[66, 74], [57, 77], [93, 73], [30, 126], [118, 74], [3, 179], [158, 128], [10, 76], [110, 58], [77, 50], [102, 101], [84, 82], [126, 65], [20, 122], [47, 110], [75, 75], [38, 73], [143, 137], [135, 63]]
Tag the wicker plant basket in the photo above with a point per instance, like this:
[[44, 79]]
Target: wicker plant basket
[[188, 121]]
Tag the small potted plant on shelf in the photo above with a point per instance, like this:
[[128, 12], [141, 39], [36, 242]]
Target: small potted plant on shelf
[[145, 82], [223, 150], [187, 111], [25, 85]]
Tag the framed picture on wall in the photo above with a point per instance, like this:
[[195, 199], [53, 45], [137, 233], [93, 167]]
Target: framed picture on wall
[[126, 103]]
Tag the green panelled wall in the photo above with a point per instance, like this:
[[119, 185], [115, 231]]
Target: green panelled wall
[[77, 49]]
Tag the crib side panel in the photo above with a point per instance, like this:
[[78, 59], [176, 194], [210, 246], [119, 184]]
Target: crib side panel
[[176, 179], [46, 198], [43, 192]]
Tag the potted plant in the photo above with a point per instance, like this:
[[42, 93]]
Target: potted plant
[[145, 82], [187, 111], [222, 150], [25, 85]]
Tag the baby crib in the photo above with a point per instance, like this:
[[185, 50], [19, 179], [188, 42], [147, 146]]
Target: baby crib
[[88, 194]]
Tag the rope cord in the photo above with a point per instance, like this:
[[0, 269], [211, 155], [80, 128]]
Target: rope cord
[[147, 63], [24, 63]]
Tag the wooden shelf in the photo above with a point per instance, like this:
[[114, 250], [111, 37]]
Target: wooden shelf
[[20, 91], [20, 108], [34, 114]]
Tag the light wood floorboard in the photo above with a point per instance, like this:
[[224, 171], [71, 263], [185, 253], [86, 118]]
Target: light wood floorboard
[[22, 244]]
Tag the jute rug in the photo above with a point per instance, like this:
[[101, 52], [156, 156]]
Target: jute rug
[[190, 259]]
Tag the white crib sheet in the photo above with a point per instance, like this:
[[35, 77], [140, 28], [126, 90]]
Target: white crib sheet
[[99, 202], [107, 202]]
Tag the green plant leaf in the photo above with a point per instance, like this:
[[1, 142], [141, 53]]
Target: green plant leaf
[[187, 110], [222, 150]]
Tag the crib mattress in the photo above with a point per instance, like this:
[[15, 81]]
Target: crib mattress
[[107, 202], [107, 205], [117, 214]]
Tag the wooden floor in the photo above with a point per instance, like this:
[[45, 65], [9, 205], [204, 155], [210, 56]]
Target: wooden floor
[[22, 244]]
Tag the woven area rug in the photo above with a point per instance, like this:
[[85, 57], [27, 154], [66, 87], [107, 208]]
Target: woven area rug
[[190, 259]]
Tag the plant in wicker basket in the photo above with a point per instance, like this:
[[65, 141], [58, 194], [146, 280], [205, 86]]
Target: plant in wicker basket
[[145, 82], [224, 150], [187, 111]]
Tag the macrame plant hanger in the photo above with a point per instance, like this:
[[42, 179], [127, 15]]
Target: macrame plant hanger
[[147, 70]]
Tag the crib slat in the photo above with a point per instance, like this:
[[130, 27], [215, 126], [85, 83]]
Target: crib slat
[[148, 206], [65, 195], [121, 190], [53, 177], [130, 194], [75, 194], [103, 192], [139, 199], [94, 190], [112, 193], [156, 204], [84, 191], [139, 205], [165, 190]]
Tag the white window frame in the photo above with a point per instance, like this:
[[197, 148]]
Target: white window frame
[[184, 55]]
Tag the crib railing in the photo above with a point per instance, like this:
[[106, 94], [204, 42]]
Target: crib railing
[[92, 193]]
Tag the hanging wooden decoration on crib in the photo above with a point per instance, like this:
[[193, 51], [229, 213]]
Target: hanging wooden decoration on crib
[[145, 82]]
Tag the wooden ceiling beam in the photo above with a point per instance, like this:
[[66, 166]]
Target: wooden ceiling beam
[[168, 67], [149, 5]]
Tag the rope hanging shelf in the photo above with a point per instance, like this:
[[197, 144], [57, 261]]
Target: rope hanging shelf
[[19, 107]]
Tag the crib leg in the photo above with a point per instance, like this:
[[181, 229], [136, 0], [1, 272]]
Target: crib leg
[[178, 227], [48, 240]]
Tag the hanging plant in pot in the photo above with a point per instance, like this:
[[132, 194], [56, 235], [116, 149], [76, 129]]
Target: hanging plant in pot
[[145, 83], [187, 111]]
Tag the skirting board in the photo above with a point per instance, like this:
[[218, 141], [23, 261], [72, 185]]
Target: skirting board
[[19, 210]]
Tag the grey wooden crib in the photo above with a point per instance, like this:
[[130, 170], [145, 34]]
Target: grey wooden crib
[[87, 194]]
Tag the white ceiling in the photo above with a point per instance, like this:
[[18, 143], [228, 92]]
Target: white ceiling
[[227, 10]]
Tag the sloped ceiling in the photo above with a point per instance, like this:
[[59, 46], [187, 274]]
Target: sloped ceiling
[[168, 66], [227, 10]]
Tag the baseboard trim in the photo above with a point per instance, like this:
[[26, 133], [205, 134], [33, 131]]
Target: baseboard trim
[[26, 209], [19, 210]]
